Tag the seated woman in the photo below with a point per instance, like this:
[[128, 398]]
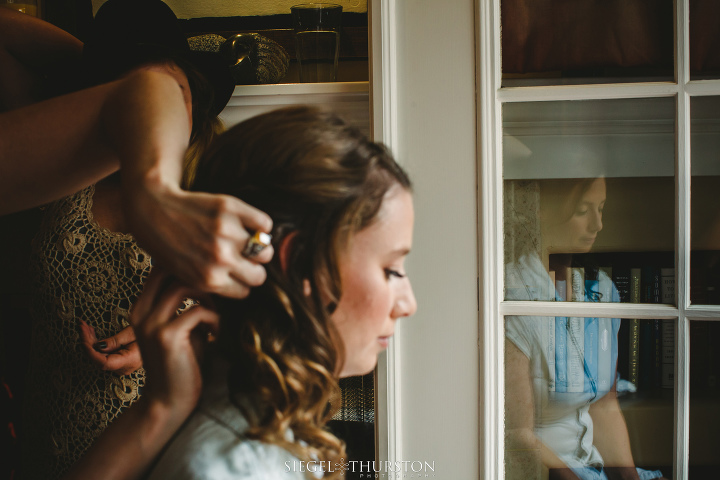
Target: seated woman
[[343, 216], [562, 415]]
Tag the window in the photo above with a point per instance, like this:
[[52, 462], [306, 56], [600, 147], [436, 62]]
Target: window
[[601, 158]]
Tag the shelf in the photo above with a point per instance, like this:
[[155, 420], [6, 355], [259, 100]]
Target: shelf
[[329, 88], [350, 100]]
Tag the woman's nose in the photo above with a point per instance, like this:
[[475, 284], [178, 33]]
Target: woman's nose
[[405, 303], [596, 222]]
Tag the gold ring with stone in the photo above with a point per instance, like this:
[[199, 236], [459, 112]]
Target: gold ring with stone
[[256, 244]]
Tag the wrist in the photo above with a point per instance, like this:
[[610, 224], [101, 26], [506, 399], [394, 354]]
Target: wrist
[[160, 420], [151, 179], [621, 473]]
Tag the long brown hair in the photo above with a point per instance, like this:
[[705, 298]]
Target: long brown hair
[[321, 181]]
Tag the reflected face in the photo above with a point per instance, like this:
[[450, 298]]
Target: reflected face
[[578, 233], [375, 289]]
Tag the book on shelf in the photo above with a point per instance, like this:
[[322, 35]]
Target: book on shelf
[[561, 341], [657, 353], [657, 330], [591, 347], [576, 335], [667, 288], [649, 279], [621, 279], [634, 328], [650, 339], [548, 333], [605, 370], [646, 362], [548, 341], [577, 284], [605, 275]]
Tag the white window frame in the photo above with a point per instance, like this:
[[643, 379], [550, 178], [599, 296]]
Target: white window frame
[[491, 97], [422, 96]]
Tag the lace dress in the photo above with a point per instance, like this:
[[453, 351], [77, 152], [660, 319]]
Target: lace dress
[[82, 271]]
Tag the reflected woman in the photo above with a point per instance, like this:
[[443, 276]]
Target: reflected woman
[[562, 413]]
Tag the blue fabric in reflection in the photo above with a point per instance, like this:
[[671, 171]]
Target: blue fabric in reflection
[[591, 473]]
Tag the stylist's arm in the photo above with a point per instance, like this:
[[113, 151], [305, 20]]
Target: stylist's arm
[[196, 236]]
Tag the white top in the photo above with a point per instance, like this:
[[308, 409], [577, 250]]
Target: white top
[[212, 445], [562, 419]]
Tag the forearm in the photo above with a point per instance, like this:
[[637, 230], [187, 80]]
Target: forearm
[[130, 444], [35, 42], [523, 442], [522, 445], [147, 124], [54, 148], [31, 53], [611, 438]]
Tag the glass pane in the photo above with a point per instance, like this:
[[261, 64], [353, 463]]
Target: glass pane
[[705, 208], [589, 201], [550, 42], [704, 39], [569, 401], [704, 400]]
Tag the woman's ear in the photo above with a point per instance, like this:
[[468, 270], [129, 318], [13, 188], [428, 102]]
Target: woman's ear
[[285, 250]]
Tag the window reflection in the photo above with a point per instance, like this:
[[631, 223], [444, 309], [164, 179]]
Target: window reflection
[[581, 392], [550, 42], [589, 187], [704, 399], [569, 413], [704, 39], [705, 209]]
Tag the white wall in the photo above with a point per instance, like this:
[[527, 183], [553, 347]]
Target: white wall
[[438, 352], [233, 8]]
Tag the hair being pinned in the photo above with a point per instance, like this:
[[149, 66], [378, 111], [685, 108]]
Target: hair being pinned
[[321, 181]]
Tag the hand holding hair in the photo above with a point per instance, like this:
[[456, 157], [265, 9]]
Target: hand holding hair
[[172, 345], [200, 237]]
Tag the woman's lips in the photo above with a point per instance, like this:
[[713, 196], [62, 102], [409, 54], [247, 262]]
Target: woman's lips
[[384, 341]]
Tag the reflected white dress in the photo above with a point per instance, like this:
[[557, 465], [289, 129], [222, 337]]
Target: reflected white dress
[[562, 419]]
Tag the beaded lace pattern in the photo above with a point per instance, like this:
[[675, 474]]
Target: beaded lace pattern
[[82, 271]]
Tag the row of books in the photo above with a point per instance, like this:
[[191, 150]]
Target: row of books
[[651, 343], [582, 352]]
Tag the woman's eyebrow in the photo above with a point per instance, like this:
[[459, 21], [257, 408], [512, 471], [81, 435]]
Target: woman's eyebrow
[[400, 252]]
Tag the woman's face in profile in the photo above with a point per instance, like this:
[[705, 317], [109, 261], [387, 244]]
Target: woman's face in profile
[[376, 291], [578, 232]]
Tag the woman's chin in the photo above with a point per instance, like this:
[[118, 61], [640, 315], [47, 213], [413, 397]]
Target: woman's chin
[[585, 247], [357, 370]]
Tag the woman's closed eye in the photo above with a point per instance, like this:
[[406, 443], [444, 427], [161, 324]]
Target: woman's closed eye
[[389, 272]]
